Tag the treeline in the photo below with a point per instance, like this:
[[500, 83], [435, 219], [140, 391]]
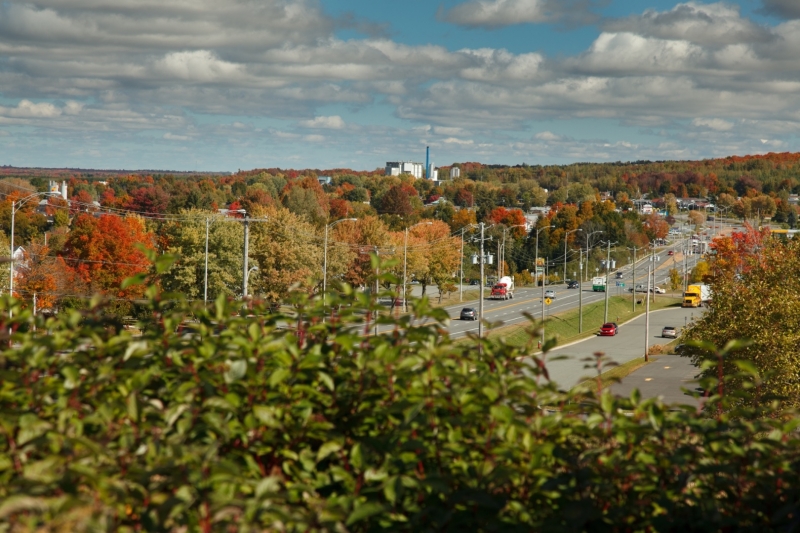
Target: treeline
[[166, 213]]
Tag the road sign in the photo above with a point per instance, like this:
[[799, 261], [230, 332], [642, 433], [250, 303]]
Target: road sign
[[548, 301], [620, 284]]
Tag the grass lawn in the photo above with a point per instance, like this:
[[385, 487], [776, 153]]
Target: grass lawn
[[564, 326]]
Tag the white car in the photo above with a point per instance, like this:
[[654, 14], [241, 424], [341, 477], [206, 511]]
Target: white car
[[549, 293], [658, 290]]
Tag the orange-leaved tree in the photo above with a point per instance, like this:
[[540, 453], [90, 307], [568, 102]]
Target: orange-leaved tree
[[103, 252]]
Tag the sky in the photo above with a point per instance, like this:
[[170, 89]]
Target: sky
[[221, 86]]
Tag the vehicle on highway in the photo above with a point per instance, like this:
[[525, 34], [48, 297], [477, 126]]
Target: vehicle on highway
[[469, 313], [618, 275], [599, 284], [638, 288], [696, 295], [503, 289], [573, 285], [608, 329], [671, 252], [549, 293], [658, 290], [475, 282], [669, 332]]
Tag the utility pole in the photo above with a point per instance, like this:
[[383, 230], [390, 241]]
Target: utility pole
[[246, 254], [580, 290], [205, 275], [647, 320], [461, 275], [608, 270], [633, 283], [480, 302]]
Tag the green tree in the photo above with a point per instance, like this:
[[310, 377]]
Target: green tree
[[675, 280], [287, 252], [186, 238]]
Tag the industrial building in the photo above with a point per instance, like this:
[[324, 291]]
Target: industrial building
[[395, 168]]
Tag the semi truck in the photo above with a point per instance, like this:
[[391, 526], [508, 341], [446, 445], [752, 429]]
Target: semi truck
[[696, 295], [599, 284], [503, 289]]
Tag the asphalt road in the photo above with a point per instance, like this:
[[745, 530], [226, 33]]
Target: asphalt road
[[627, 345]]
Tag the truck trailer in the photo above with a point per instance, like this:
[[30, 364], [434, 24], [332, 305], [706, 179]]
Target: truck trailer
[[696, 295], [599, 284], [503, 289]]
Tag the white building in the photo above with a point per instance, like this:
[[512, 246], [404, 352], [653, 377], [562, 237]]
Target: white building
[[395, 168], [455, 173]]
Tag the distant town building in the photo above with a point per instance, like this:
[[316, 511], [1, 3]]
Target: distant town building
[[395, 168], [324, 180], [455, 173], [55, 188], [434, 174]]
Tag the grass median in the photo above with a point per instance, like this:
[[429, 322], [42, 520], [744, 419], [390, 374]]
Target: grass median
[[564, 326]]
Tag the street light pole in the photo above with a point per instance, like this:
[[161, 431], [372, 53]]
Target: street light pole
[[480, 301], [325, 257], [580, 291], [566, 238], [405, 262], [608, 270], [246, 254], [205, 273], [16, 205]]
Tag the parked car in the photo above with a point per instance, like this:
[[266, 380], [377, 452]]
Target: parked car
[[549, 293], [638, 288], [608, 329], [573, 285], [475, 282], [669, 332], [469, 313], [658, 290]]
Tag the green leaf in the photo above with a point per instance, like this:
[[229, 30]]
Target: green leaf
[[327, 380], [278, 376], [218, 403], [236, 370], [137, 279], [133, 408], [31, 427], [356, 457], [328, 448], [364, 511], [73, 378]]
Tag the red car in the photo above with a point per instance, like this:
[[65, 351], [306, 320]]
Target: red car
[[608, 330], [671, 252]]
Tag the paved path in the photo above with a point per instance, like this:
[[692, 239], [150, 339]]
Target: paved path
[[664, 377], [625, 346]]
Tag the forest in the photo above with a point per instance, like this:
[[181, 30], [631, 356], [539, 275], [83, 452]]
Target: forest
[[304, 230]]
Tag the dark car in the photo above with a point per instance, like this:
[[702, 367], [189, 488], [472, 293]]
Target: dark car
[[573, 285], [475, 282], [618, 275], [608, 329], [469, 313]]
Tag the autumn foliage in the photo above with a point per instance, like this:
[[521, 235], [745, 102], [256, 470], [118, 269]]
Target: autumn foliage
[[103, 251]]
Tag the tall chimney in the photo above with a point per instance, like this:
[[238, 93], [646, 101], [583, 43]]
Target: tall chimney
[[428, 162]]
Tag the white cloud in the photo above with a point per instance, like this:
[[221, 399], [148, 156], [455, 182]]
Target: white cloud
[[198, 66], [334, 122], [498, 13], [547, 136], [716, 24], [173, 137], [716, 124]]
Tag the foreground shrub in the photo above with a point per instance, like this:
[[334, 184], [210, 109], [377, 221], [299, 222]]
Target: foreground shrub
[[299, 421]]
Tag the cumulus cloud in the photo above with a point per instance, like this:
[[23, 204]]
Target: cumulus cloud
[[788, 9], [716, 124], [713, 25], [493, 14], [334, 122], [129, 66]]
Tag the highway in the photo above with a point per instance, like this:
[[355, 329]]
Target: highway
[[529, 299], [628, 344]]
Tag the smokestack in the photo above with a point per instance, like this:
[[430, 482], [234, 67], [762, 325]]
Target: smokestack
[[428, 162], [64, 189]]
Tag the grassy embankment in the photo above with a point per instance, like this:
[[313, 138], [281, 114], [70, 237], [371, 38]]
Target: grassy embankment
[[564, 326]]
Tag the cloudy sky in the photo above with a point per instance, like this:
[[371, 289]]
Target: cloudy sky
[[240, 84]]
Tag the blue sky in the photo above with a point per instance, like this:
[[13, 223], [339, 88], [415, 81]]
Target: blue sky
[[206, 85]]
